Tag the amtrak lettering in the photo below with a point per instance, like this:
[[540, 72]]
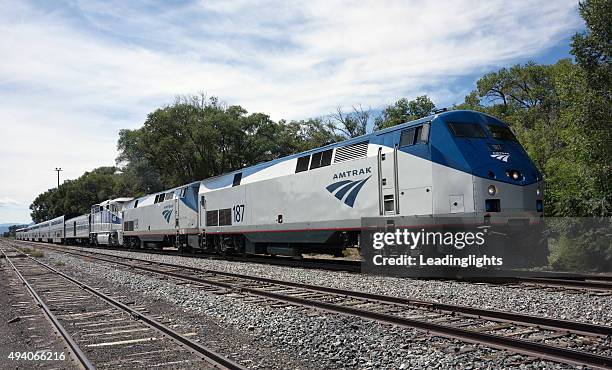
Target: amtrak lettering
[[345, 174]]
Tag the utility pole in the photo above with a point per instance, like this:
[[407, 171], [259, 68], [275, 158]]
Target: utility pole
[[58, 171]]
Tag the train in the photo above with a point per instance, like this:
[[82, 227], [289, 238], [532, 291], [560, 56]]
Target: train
[[453, 163]]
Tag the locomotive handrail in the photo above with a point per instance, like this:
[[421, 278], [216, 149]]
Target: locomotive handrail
[[396, 180], [380, 191]]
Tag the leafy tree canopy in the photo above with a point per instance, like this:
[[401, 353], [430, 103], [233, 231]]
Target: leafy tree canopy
[[404, 110], [75, 197]]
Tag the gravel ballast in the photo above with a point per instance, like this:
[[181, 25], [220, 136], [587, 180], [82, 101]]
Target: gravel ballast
[[567, 305], [263, 336]]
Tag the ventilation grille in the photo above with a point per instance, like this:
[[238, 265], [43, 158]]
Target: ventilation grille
[[212, 218], [225, 217], [353, 151], [128, 226]]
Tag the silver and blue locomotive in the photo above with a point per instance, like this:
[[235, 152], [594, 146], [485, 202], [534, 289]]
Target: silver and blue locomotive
[[455, 163]]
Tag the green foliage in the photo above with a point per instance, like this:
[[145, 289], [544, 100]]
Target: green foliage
[[198, 137], [12, 231], [580, 244], [404, 110], [593, 47], [75, 197], [565, 256]]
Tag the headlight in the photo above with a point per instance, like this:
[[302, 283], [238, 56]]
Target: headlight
[[539, 191], [514, 175], [492, 190]]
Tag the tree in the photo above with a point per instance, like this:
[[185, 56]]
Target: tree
[[404, 110], [593, 104], [351, 124], [199, 137], [592, 48], [12, 231], [75, 197]]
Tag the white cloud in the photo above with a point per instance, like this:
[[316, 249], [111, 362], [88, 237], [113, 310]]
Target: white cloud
[[6, 202], [73, 74]]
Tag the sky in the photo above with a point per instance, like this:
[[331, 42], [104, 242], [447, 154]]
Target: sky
[[74, 73]]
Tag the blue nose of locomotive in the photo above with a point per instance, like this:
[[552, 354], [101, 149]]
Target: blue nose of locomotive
[[483, 146]]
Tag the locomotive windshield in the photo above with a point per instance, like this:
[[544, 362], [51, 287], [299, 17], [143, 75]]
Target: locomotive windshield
[[471, 130], [501, 132]]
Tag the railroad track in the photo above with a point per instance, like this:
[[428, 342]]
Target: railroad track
[[558, 340], [310, 263], [587, 282], [600, 284], [103, 332]]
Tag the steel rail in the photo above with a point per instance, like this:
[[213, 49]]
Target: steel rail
[[517, 345], [210, 356], [594, 285], [76, 350]]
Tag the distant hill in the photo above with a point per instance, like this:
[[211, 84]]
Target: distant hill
[[5, 227]]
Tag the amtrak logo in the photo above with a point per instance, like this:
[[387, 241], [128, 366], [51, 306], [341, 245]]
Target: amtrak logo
[[166, 213], [501, 156], [347, 190], [350, 173]]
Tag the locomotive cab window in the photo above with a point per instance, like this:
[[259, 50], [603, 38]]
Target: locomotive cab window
[[183, 192], [237, 179], [468, 130], [415, 135], [501, 132], [407, 137]]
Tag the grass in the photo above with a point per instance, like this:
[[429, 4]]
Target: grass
[[60, 264], [37, 253], [32, 252]]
